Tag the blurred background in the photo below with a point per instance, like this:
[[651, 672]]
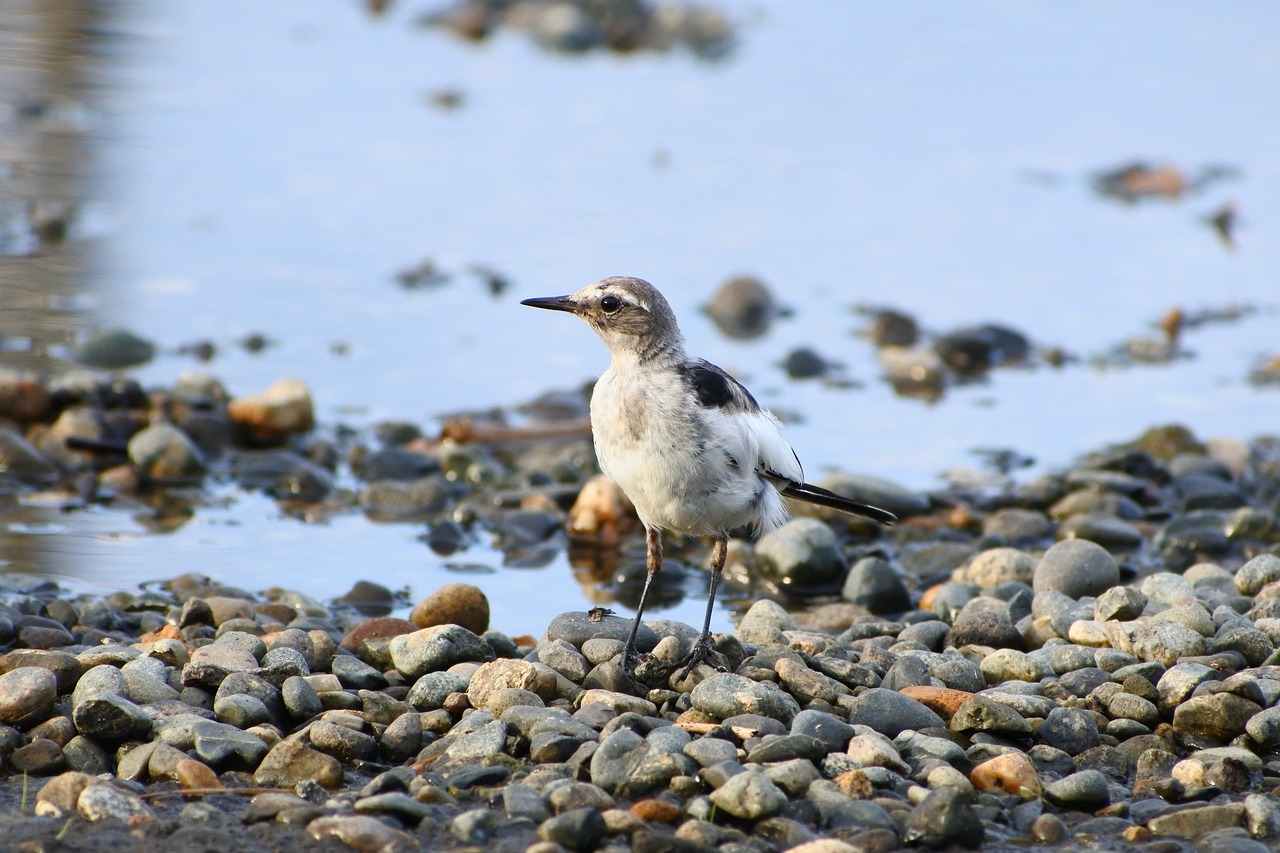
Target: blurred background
[[1083, 198]]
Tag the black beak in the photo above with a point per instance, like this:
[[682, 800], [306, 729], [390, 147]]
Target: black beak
[[552, 303]]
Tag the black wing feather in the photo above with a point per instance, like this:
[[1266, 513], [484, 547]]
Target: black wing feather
[[716, 389], [817, 495]]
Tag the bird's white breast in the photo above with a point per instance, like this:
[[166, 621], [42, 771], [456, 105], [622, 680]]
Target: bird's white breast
[[672, 457]]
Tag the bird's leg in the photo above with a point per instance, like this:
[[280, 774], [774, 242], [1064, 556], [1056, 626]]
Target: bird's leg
[[719, 552], [653, 565]]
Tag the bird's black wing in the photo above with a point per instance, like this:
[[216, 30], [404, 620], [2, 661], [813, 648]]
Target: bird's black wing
[[716, 389], [810, 493]]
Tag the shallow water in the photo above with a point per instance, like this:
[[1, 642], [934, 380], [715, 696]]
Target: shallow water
[[271, 168]]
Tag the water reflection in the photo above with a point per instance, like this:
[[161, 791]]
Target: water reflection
[[49, 57]]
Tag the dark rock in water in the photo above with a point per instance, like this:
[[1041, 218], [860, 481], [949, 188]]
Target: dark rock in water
[[802, 556], [522, 527], [874, 584], [422, 498], [164, 453], [804, 363], [369, 598], [114, 349], [944, 818], [889, 328], [975, 350], [394, 463], [283, 474], [742, 308]]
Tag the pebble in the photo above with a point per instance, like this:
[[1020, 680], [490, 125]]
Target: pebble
[[802, 555], [454, 604], [1076, 567], [27, 694]]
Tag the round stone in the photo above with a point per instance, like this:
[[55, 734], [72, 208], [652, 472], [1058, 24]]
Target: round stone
[[1076, 567]]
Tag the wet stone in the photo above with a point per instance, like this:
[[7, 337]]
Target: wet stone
[[27, 694], [874, 584], [109, 718], [944, 818], [41, 757], [577, 829], [802, 555], [1085, 790]]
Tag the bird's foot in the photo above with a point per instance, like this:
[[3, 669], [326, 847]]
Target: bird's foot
[[697, 655]]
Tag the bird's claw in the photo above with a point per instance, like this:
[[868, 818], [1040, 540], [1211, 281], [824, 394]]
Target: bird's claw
[[697, 655]]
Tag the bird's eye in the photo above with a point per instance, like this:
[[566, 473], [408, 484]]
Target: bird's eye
[[610, 304]]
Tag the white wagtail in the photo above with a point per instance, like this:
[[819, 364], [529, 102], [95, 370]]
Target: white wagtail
[[686, 443]]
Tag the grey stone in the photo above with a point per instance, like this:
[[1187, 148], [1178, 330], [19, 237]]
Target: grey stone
[[1085, 790], [1120, 602], [1076, 567], [485, 742], [356, 674], [346, 744], [437, 648], [396, 804], [402, 739], [576, 628], [707, 751], [873, 584], [725, 695], [833, 732], [578, 829], [1072, 730], [891, 713], [522, 801], [110, 719], [803, 554], [978, 713], [1254, 575], [241, 710], [429, 692], [300, 699], [749, 796], [944, 818]]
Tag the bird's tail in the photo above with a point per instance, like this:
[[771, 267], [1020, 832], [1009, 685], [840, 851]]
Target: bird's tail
[[820, 496]]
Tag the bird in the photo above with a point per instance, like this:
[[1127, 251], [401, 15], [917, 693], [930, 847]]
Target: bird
[[685, 442]]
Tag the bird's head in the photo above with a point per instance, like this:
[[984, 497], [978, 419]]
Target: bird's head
[[628, 314]]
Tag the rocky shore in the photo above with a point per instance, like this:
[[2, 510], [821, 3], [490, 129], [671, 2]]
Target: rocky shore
[[1085, 658]]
